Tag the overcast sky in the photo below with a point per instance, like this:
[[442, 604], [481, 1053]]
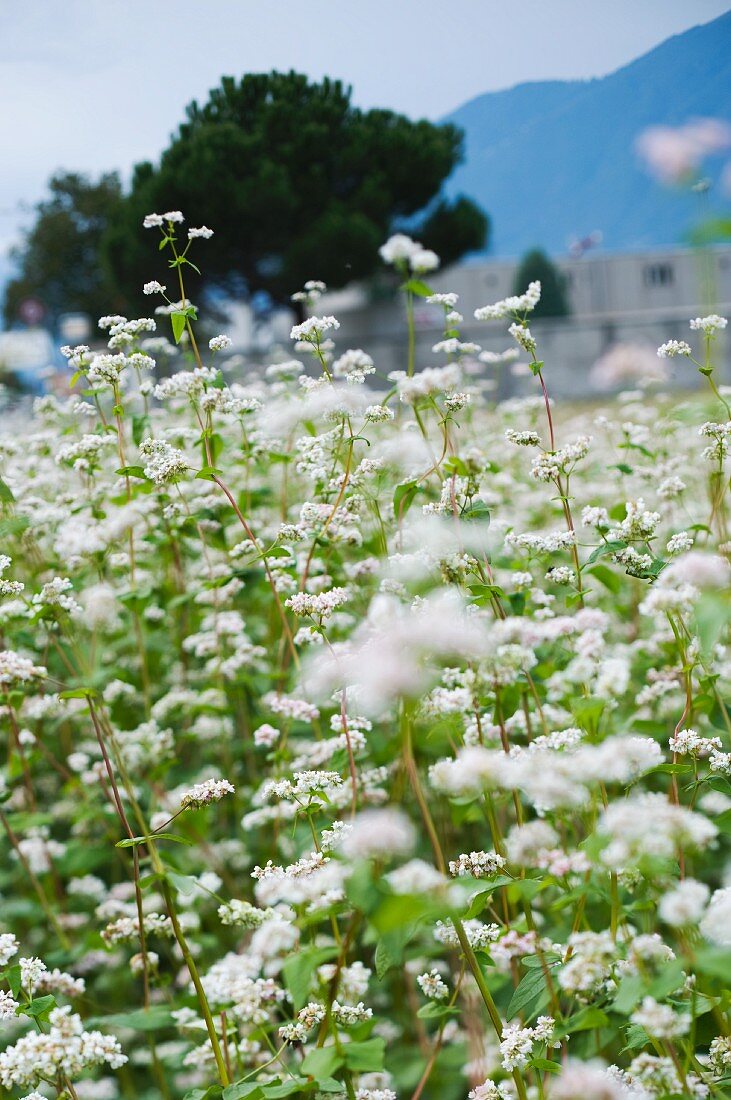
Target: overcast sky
[[100, 84]]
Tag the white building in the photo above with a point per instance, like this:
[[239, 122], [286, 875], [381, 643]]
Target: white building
[[638, 299]]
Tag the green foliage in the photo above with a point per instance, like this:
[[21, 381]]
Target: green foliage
[[59, 261], [298, 183]]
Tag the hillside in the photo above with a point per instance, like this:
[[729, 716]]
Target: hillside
[[554, 160]]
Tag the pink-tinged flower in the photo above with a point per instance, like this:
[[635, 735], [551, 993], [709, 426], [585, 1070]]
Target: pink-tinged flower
[[674, 154]]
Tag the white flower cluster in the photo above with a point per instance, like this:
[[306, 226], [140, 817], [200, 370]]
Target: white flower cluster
[[319, 605], [313, 329], [66, 1049], [353, 366], [154, 221], [220, 343], [16, 670], [508, 307], [432, 985], [516, 1045], [673, 348], [477, 864], [164, 463], [406, 254], [709, 325], [202, 794]]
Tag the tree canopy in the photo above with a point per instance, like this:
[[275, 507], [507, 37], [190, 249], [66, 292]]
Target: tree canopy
[[297, 184], [60, 259], [536, 265]]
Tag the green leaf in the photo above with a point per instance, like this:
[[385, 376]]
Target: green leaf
[[13, 525], [586, 1020], [287, 1088], [390, 948], [151, 879], [481, 899], [636, 1038], [478, 511], [141, 1019], [629, 994], [249, 1089], [525, 887], [321, 1062], [723, 821], [455, 465], [669, 980], [6, 493], [603, 549], [140, 428], [13, 976], [703, 1004], [418, 287], [208, 473], [712, 615], [23, 820], [298, 970], [184, 884], [671, 769], [132, 471], [384, 958], [78, 693], [714, 962], [434, 1011], [587, 712], [131, 842], [710, 230], [532, 987], [545, 1065], [178, 320], [365, 1057], [402, 911], [403, 498], [39, 1006], [607, 577]]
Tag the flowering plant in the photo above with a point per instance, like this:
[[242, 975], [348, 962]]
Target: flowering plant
[[363, 743]]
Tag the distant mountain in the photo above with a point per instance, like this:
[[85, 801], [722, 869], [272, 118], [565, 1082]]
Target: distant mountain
[[554, 160]]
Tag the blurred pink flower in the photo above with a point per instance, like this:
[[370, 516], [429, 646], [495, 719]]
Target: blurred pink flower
[[675, 153], [622, 363]]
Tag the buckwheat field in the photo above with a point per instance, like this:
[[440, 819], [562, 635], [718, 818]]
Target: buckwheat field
[[363, 737]]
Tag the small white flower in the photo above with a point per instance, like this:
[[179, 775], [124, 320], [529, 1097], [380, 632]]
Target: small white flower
[[709, 325], [685, 904], [220, 343], [433, 986], [8, 1006], [672, 348], [202, 794]]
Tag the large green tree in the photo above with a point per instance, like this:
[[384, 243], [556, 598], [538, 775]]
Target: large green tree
[[60, 260], [297, 184], [536, 265]]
